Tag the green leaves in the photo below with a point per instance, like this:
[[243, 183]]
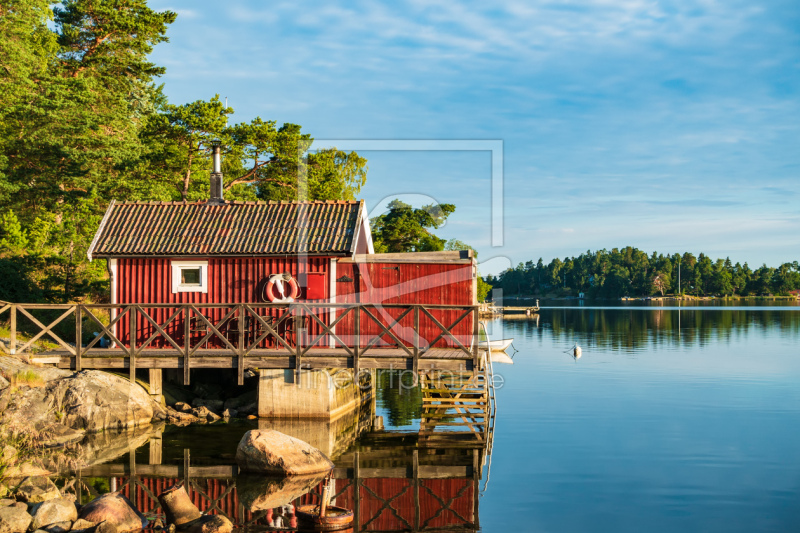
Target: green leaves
[[405, 229]]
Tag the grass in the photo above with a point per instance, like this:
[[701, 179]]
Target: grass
[[27, 378]]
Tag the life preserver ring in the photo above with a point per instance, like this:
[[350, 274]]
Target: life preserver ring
[[278, 287]]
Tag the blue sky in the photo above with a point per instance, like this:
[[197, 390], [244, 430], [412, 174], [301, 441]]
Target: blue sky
[[668, 126]]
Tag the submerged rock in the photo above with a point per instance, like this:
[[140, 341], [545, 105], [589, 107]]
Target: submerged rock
[[14, 520], [115, 509], [272, 452]]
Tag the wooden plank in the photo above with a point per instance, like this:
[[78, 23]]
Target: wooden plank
[[155, 382], [132, 343], [187, 345], [298, 347], [357, 343], [78, 337], [240, 357]]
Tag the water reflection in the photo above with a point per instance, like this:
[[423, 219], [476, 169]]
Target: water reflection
[[393, 481], [636, 328]]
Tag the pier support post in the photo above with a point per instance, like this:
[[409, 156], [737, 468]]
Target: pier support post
[[156, 389]]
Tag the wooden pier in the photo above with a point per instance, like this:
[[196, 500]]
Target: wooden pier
[[241, 336]]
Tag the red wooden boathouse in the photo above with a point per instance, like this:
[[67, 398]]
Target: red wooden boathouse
[[225, 253]]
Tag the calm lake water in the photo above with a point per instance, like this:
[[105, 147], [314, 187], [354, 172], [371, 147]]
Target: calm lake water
[[672, 420]]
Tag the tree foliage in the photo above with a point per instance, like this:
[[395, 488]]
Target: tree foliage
[[406, 229], [631, 272], [83, 122]]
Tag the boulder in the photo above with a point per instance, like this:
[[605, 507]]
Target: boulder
[[5, 502], [182, 407], [58, 527], [266, 451], [53, 512], [115, 509], [180, 418], [94, 400], [205, 413], [213, 405], [85, 401], [37, 489], [14, 520], [105, 527], [82, 525]]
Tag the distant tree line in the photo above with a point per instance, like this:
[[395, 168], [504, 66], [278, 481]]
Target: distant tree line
[[631, 272]]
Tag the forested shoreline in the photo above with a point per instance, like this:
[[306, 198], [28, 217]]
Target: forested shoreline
[[83, 121], [632, 272]]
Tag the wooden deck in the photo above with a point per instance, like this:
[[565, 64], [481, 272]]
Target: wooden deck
[[243, 336], [385, 358]]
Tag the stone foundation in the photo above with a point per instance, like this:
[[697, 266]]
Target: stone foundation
[[318, 394]]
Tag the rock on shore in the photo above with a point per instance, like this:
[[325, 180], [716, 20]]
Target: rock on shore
[[272, 452], [64, 405]]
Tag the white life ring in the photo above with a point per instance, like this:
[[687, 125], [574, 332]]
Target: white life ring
[[276, 289]]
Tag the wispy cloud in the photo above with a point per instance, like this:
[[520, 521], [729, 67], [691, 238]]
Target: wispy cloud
[[649, 115]]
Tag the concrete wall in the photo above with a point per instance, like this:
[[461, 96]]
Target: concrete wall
[[321, 394]]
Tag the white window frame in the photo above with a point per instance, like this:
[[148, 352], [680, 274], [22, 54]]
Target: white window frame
[[177, 286]]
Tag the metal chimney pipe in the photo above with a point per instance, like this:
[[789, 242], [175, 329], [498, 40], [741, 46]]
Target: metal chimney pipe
[[217, 168], [216, 193]]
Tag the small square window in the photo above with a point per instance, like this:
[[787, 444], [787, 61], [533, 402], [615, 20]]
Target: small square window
[[190, 276]]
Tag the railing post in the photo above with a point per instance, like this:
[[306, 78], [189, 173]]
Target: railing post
[[132, 344], [357, 341], [240, 363], [78, 336], [298, 349], [415, 362], [187, 341], [475, 333], [13, 346]]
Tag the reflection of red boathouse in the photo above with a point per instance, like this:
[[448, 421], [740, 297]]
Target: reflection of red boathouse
[[385, 504]]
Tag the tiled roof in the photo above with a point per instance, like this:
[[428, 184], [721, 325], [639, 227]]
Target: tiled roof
[[232, 228]]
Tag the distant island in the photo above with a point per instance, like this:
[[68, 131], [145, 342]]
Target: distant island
[[631, 272]]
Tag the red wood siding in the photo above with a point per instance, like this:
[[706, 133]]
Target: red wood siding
[[230, 280], [240, 279], [407, 283]]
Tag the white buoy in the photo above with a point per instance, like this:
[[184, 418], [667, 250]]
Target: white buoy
[[576, 351]]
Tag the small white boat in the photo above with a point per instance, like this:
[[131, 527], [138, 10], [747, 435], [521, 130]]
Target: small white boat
[[498, 345], [501, 357]]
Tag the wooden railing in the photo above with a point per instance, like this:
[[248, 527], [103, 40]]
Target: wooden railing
[[243, 329]]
